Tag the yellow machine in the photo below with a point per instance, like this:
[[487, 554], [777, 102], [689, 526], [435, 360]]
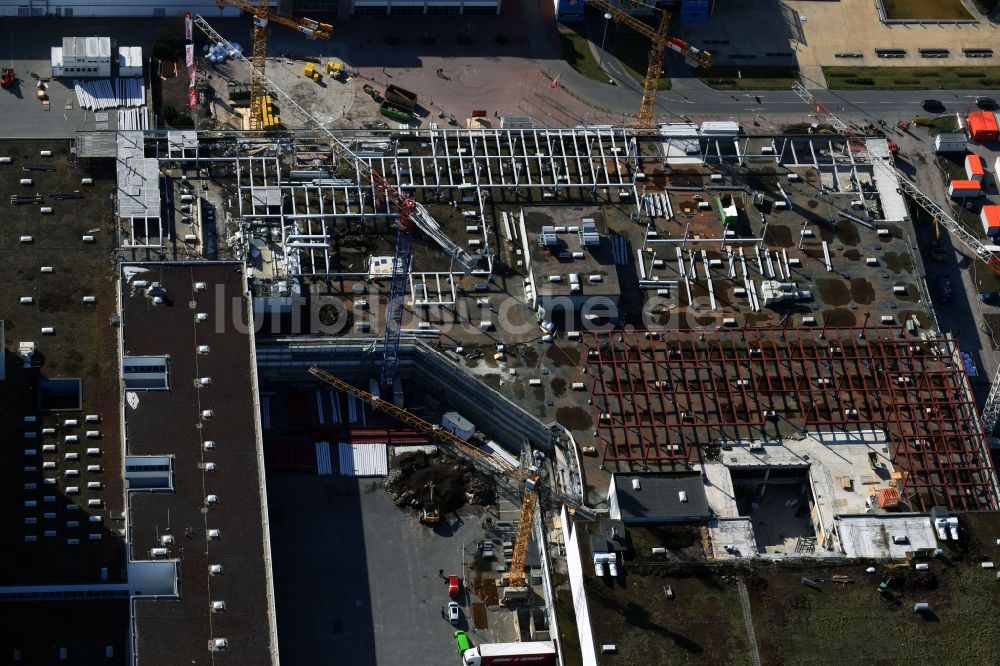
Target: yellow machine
[[660, 43], [430, 514], [530, 477], [311, 73], [262, 16]]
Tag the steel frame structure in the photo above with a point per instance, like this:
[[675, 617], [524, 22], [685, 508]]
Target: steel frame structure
[[659, 397]]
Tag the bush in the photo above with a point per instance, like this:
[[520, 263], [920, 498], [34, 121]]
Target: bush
[[971, 75], [843, 73], [907, 82], [861, 81]]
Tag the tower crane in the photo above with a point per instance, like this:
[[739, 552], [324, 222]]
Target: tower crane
[[411, 215], [987, 253], [530, 478], [659, 44], [263, 15]]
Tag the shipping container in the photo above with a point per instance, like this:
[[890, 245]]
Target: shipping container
[[458, 425], [964, 189], [950, 142], [391, 111], [401, 97], [974, 167], [983, 126], [990, 217]]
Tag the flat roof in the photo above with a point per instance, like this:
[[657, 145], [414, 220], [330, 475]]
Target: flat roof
[[881, 537], [558, 260], [173, 423], [659, 495], [86, 47]]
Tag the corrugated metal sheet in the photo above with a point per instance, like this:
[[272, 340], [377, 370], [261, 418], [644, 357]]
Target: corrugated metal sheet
[[363, 459], [324, 465]]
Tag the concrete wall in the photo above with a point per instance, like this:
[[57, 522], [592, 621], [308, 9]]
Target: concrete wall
[[574, 566]]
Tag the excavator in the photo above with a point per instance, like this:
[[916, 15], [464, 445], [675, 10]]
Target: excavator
[[430, 514]]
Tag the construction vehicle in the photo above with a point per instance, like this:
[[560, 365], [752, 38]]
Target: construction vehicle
[[7, 78], [659, 44], [530, 478], [411, 215], [986, 253], [430, 513], [262, 16]]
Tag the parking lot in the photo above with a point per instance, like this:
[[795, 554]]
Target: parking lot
[[358, 578]]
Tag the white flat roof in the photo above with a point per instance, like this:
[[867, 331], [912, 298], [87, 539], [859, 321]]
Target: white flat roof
[[90, 47], [874, 536]]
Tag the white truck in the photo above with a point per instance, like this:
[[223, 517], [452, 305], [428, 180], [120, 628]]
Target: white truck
[[533, 652]]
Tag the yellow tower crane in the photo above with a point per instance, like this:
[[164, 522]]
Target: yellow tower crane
[[262, 17], [659, 44], [529, 477]]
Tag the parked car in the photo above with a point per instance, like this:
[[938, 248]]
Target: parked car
[[990, 297], [454, 585], [933, 105], [986, 103], [462, 642], [453, 612], [488, 553]]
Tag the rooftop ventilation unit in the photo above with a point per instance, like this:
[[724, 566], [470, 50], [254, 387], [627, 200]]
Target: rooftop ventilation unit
[[212, 499], [199, 286], [207, 414], [548, 237], [636, 485], [167, 540], [218, 606], [202, 349], [201, 316], [215, 569], [158, 553], [204, 381], [208, 445], [214, 535], [210, 467], [588, 232], [218, 644]]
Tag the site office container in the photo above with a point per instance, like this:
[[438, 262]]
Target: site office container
[[974, 167], [983, 126], [964, 189]]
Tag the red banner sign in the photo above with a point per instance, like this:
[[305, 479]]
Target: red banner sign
[[187, 26]]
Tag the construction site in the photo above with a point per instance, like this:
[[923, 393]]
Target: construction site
[[597, 391]]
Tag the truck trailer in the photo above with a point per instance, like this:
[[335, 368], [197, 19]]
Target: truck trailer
[[490, 654]]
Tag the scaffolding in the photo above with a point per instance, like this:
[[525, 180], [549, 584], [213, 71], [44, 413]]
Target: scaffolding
[[661, 399]]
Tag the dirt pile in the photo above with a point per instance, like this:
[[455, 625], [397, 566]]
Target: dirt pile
[[411, 476]]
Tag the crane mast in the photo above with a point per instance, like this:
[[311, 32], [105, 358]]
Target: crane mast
[[659, 43], [530, 478], [262, 16]]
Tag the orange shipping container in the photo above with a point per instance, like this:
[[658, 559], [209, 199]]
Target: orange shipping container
[[983, 126], [974, 167], [888, 498]]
